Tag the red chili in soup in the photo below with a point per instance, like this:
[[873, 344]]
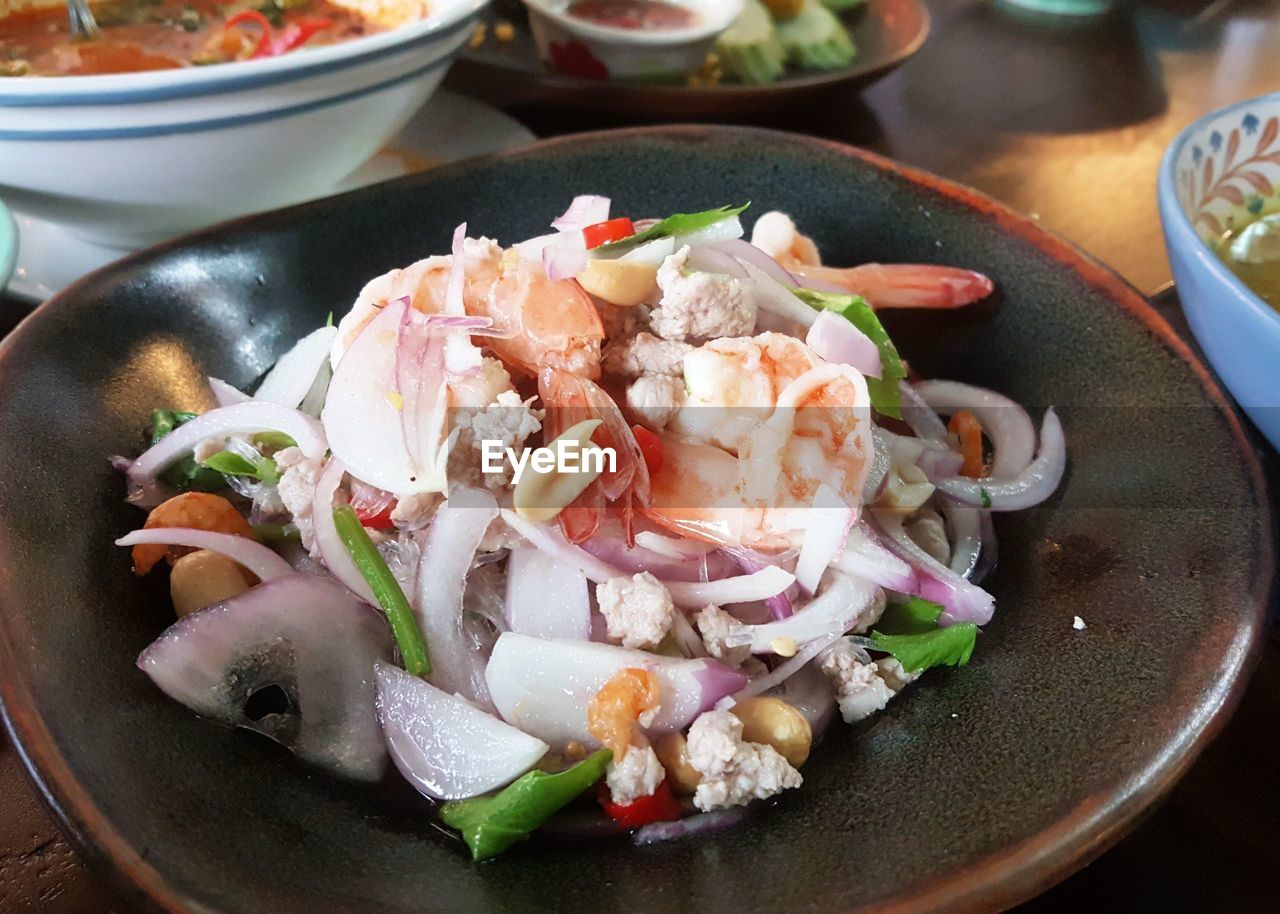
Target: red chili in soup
[[165, 34], [645, 15]]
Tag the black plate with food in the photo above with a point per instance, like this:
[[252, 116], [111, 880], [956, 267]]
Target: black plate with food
[[884, 32], [1128, 593]]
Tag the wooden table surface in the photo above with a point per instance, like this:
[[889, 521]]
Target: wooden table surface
[[1066, 122]]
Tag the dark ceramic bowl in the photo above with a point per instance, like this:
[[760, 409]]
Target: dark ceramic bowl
[[978, 788]]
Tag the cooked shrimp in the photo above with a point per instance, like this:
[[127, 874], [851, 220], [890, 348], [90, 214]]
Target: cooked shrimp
[[907, 285], [628, 699], [198, 510], [765, 423], [571, 399], [545, 321]]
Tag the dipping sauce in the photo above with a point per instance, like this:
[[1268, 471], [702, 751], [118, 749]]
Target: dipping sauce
[[643, 15], [166, 34], [1252, 252]]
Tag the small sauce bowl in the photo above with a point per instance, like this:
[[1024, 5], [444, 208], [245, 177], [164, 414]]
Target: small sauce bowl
[[576, 46]]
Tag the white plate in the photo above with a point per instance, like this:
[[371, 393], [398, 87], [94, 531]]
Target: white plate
[[449, 127]]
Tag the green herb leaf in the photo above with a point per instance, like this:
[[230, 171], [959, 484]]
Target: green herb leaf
[[231, 464], [854, 308], [676, 224], [913, 617], [276, 440], [185, 474], [386, 589], [986, 497], [328, 321], [490, 825]]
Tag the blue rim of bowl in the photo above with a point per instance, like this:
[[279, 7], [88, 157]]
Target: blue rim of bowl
[[271, 72], [1177, 225], [8, 246]]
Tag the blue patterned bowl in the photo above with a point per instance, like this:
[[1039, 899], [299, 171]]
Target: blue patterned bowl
[[1220, 170]]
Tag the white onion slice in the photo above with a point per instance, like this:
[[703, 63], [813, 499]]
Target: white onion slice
[[838, 340], [302, 633], [780, 673], [447, 552], [447, 748], [1006, 423], [746, 252], [652, 252], [584, 210], [245, 418], [1029, 488], [829, 520], [776, 299], [240, 549], [327, 541], [544, 686], [768, 582], [546, 598], [461, 356], [226, 394], [835, 611], [365, 412], [563, 261], [295, 372], [707, 258]]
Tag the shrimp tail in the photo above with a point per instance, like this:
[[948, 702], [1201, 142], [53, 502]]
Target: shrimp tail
[[905, 285]]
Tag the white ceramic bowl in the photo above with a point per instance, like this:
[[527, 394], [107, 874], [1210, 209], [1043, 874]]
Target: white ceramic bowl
[[576, 47], [130, 159]]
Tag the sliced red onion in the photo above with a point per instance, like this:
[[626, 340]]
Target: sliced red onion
[[652, 252], [461, 356], [866, 557], [301, 633], [225, 394], [585, 210], [881, 461], [1029, 488], [544, 686], [779, 606], [939, 462], [450, 545], [254, 556], [919, 415], [546, 598], [828, 523], [1012, 433], [563, 261], [838, 340], [961, 600], [241, 419], [711, 259], [703, 823], [531, 249], [295, 372], [447, 748], [384, 394], [776, 299], [690, 594], [746, 252], [610, 546], [333, 551], [835, 611], [781, 673]]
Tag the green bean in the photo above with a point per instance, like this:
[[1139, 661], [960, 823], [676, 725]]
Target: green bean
[[385, 587]]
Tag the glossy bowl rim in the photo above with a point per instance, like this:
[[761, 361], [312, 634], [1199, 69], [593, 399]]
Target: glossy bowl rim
[[1001, 880], [1178, 228], [556, 11]]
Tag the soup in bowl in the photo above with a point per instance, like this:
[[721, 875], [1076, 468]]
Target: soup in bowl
[[186, 113]]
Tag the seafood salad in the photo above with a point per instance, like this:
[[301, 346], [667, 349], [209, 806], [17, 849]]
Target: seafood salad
[[608, 525]]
